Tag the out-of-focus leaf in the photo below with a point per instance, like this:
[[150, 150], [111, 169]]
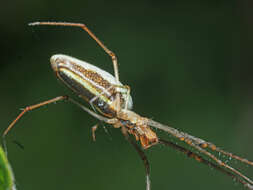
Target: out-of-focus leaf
[[6, 174]]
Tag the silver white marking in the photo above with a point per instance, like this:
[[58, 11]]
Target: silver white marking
[[107, 76]]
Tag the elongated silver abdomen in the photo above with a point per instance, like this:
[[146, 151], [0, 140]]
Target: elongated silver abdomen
[[91, 83]]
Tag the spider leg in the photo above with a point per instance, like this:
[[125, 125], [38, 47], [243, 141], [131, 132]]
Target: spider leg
[[30, 108], [109, 52], [127, 93], [200, 159], [53, 100], [92, 113], [193, 142], [93, 130], [141, 154], [213, 147], [103, 92], [200, 142]]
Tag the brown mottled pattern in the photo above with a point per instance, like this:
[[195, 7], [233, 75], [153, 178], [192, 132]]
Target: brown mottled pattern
[[107, 109], [93, 76]]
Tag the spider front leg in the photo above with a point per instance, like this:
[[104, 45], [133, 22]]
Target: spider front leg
[[202, 160], [197, 144], [213, 147]]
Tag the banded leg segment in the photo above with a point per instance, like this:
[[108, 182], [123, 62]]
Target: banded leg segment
[[213, 147], [32, 107], [200, 159], [195, 143], [204, 144], [220, 163]]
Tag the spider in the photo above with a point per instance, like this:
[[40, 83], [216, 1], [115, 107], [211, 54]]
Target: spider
[[107, 95]]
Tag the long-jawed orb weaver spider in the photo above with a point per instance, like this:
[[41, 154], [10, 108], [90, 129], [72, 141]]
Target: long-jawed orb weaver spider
[[112, 100]]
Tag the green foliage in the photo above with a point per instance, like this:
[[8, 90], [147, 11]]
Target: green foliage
[[6, 175]]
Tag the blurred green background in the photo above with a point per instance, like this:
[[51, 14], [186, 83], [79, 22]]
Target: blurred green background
[[188, 64]]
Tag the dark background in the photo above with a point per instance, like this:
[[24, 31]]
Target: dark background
[[188, 64]]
